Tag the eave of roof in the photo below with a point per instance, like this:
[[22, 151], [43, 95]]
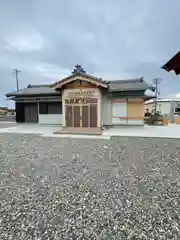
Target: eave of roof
[[147, 98], [34, 90], [173, 64], [137, 84]]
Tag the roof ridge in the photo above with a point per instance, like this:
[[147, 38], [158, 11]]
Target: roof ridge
[[141, 79], [38, 85]]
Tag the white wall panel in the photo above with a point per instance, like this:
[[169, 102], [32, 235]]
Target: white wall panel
[[119, 109], [106, 112], [135, 122], [50, 118]]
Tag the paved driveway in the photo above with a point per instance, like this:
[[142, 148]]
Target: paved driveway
[[7, 124], [171, 131], [44, 130], [61, 188]]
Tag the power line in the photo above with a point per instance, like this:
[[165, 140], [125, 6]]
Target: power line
[[16, 73]]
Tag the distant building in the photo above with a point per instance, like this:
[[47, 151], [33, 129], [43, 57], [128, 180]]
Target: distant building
[[166, 106]]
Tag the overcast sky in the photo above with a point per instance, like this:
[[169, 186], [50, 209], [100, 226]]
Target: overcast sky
[[114, 39]]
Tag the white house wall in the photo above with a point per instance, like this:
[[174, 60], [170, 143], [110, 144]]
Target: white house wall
[[50, 119], [115, 112], [135, 122], [106, 113], [119, 111]]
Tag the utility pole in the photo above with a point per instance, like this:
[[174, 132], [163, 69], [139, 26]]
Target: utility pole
[[16, 73], [157, 82]]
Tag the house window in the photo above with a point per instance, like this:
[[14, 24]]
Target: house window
[[55, 108], [43, 108], [50, 108]]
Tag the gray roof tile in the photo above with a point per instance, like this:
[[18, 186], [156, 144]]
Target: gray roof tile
[[34, 90], [115, 85], [129, 85]]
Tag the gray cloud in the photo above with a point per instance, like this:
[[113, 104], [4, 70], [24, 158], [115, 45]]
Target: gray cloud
[[111, 39]]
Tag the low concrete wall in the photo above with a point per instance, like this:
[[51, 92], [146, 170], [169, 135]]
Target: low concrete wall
[[50, 118], [135, 122], [8, 118]]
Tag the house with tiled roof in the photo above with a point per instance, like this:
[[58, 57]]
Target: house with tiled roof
[[82, 101]]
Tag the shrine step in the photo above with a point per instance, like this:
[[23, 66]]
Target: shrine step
[[82, 131]]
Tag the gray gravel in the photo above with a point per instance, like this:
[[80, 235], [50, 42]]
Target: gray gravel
[[55, 188]]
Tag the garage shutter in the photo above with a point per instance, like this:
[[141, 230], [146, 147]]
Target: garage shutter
[[135, 110]]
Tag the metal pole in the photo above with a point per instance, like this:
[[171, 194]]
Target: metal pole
[[16, 73], [157, 82], [156, 95], [17, 80]]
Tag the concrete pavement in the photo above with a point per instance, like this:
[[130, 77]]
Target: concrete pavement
[[171, 131]]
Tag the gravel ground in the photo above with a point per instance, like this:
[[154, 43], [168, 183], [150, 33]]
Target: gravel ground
[[55, 188]]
